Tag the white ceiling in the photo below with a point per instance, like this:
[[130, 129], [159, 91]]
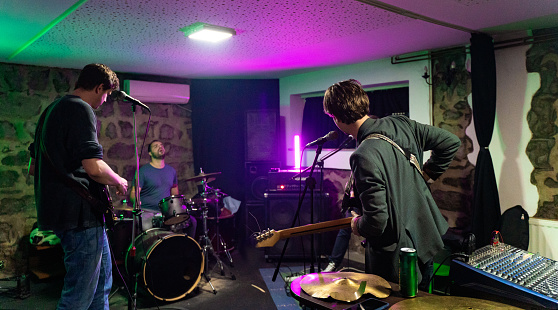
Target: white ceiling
[[275, 38]]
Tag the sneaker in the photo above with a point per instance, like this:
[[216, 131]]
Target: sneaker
[[331, 267]]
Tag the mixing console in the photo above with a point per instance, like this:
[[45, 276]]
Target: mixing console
[[510, 272]]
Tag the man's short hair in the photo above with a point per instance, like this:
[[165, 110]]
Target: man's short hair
[[346, 101], [94, 74], [149, 145]]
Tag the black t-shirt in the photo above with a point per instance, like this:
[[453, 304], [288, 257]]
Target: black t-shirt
[[69, 135]]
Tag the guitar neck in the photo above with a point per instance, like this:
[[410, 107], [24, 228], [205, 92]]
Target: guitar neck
[[315, 228]]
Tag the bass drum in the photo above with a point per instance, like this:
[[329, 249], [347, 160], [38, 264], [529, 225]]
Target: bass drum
[[169, 265]]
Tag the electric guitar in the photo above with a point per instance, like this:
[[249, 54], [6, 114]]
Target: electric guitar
[[270, 237], [105, 205]]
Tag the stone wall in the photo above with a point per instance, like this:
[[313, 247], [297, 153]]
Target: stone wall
[[453, 191], [25, 91], [542, 149]]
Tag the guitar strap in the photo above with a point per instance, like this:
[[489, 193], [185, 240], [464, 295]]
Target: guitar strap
[[410, 156], [69, 182]]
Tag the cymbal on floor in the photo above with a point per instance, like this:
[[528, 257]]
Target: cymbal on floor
[[344, 286]]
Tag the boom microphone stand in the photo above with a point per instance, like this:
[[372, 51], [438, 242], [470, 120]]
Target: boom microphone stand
[[310, 183], [136, 218], [120, 95]]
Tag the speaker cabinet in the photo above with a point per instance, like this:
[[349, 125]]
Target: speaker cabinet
[[256, 180], [262, 136], [280, 210]]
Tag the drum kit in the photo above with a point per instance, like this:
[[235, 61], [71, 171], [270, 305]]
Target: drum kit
[[169, 264]]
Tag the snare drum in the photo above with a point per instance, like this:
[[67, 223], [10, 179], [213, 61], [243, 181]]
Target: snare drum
[[174, 210]]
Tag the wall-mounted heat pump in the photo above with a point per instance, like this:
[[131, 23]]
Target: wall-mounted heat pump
[[155, 92]]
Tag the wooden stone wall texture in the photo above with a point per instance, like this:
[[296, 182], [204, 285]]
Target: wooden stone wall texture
[[25, 91], [542, 149], [453, 191]]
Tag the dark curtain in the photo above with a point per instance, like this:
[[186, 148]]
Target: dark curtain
[[219, 126], [391, 101], [315, 123], [486, 203]]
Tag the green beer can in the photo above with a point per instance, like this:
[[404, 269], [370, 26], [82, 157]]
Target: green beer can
[[408, 282]]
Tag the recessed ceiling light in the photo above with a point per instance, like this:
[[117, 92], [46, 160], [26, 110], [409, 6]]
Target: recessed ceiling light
[[207, 32]]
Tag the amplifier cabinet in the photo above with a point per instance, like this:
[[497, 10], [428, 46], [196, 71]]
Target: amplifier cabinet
[[280, 211]]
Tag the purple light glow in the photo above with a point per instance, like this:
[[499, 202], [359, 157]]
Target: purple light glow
[[297, 151]]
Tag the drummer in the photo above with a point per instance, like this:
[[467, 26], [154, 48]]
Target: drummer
[[156, 182]]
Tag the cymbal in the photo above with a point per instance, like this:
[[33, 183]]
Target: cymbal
[[344, 286], [204, 200], [123, 208], [200, 182], [449, 302], [204, 176]]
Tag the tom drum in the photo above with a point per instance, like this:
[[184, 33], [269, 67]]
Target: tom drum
[[174, 210]]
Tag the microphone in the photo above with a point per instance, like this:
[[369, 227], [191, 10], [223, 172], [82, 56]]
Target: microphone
[[332, 135], [120, 95], [344, 144]]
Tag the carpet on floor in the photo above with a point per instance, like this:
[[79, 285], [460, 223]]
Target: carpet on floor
[[279, 290]]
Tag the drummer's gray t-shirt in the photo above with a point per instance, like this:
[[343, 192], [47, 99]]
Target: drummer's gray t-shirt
[[155, 185]]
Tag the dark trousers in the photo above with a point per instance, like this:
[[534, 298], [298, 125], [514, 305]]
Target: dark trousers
[[340, 246]]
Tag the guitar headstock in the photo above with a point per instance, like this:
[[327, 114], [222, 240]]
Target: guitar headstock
[[267, 238]]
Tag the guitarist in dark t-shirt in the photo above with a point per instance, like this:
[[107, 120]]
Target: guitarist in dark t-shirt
[[69, 171]]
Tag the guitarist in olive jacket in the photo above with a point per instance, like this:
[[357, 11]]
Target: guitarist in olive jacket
[[397, 207]]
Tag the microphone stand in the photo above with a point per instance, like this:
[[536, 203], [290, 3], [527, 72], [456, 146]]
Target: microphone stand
[[309, 183], [328, 155], [321, 164], [136, 218]]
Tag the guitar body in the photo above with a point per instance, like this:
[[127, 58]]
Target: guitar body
[[108, 211], [104, 205]]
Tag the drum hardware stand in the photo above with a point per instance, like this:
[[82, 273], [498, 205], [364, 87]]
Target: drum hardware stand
[[220, 241], [208, 249]]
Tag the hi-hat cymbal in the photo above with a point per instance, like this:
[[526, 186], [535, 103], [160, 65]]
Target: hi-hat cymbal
[[344, 286], [204, 176]]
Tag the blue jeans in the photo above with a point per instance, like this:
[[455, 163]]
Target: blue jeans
[[88, 279], [340, 246]]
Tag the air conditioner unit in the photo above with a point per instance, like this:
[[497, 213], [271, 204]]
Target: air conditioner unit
[[155, 92]]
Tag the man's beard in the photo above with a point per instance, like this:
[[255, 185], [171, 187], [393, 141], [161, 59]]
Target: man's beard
[[157, 156]]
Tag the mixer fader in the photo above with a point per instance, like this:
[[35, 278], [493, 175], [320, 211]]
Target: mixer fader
[[507, 271]]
